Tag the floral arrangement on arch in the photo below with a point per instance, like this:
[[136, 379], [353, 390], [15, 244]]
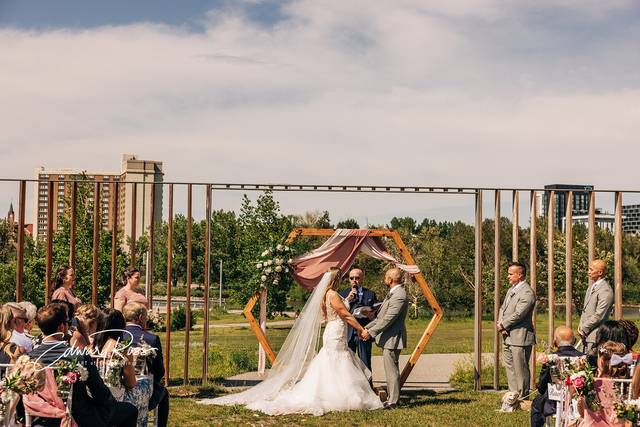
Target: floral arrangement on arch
[[575, 373], [272, 264]]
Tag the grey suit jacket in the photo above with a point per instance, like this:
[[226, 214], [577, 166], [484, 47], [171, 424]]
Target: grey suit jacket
[[597, 307], [388, 328], [515, 316]]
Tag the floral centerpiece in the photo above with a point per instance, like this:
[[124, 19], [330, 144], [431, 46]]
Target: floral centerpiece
[[273, 263], [628, 410], [68, 372]]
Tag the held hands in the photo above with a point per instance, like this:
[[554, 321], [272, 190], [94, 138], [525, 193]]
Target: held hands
[[364, 335]]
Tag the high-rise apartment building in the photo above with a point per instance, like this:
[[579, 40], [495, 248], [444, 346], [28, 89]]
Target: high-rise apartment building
[[561, 192], [631, 219], [142, 172]]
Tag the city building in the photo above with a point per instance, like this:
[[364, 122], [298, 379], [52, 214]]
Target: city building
[[12, 225], [133, 170], [604, 220], [561, 192], [631, 219]]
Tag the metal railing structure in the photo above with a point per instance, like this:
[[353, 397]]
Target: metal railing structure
[[209, 188]]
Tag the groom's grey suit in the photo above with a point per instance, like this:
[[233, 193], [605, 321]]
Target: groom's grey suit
[[390, 334]]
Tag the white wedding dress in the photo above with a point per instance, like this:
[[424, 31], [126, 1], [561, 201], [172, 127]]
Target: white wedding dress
[[302, 381]]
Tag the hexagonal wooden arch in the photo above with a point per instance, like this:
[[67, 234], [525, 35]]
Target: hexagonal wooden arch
[[424, 286]]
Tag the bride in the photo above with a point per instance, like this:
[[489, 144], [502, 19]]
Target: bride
[[304, 380]]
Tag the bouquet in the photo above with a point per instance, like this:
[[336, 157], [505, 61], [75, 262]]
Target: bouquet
[[273, 263], [68, 372], [25, 377], [581, 375], [628, 410]]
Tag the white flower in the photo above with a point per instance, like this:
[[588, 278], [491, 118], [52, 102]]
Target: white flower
[[278, 269], [265, 253], [259, 265], [263, 278], [269, 262], [278, 261], [280, 248], [287, 248], [268, 270], [275, 282], [290, 261], [286, 270]]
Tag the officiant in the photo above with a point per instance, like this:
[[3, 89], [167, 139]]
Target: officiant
[[361, 305]]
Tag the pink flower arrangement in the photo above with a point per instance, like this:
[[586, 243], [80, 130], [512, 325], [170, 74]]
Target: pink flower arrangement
[[578, 382], [70, 377]]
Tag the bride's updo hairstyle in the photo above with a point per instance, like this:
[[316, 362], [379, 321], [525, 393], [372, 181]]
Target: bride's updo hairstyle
[[334, 283]]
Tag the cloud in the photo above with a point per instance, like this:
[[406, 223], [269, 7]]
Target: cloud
[[400, 93]]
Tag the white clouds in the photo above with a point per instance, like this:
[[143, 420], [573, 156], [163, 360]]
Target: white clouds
[[414, 93]]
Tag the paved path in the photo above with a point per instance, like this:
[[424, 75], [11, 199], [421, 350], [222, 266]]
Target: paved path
[[431, 372]]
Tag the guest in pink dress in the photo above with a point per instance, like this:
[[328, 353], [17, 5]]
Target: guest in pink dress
[[65, 279], [130, 290], [613, 363]]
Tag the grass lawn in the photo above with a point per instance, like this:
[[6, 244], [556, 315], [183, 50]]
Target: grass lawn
[[423, 408]]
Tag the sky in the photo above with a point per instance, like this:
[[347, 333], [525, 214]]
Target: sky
[[488, 93]]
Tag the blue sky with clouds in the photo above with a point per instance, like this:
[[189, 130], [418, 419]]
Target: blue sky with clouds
[[405, 92]]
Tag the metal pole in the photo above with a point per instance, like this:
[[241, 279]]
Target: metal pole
[[168, 303], [115, 194], [220, 302], [478, 293], [568, 266], [20, 247], [49, 253], [152, 246], [533, 276], [96, 242], [514, 234], [496, 293], [134, 208], [591, 243], [207, 272], [617, 257], [188, 304], [74, 214], [550, 265]]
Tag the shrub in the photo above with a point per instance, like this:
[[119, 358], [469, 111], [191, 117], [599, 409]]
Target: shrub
[[179, 318]]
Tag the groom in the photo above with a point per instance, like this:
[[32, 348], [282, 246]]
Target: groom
[[390, 333]]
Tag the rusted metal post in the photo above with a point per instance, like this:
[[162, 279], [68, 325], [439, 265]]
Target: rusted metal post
[[207, 255], [496, 293], [617, 257], [477, 332], [20, 244], [49, 251], [115, 194], [591, 243], [188, 284], [134, 208], [568, 266], [74, 217], [152, 246], [167, 348], [550, 265], [514, 234], [96, 242], [533, 274]]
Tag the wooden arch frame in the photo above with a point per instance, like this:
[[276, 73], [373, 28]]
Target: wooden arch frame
[[424, 286]]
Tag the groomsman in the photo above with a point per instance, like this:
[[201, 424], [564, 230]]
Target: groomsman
[[359, 296], [597, 305], [517, 330]]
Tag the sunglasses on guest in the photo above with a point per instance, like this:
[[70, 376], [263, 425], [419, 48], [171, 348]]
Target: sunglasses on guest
[[355, 278]]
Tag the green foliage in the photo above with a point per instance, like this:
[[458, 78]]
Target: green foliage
[[179, 318]]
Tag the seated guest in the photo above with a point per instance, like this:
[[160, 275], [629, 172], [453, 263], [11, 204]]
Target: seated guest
[[130, 289], [110, 343], [541, 406], [136, 317], [9, 351], [611, 330], [31, 310], [63, 286], [613, 363], [93, 404], [88, 316], [20, 320]]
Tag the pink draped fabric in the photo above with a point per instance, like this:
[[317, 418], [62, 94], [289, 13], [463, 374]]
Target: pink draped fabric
[[47, 403], [340, 250]]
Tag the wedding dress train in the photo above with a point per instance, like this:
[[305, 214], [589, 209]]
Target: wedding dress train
[[302, 381]]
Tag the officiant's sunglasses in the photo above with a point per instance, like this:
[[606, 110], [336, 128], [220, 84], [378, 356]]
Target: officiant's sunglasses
[[355, 278]]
